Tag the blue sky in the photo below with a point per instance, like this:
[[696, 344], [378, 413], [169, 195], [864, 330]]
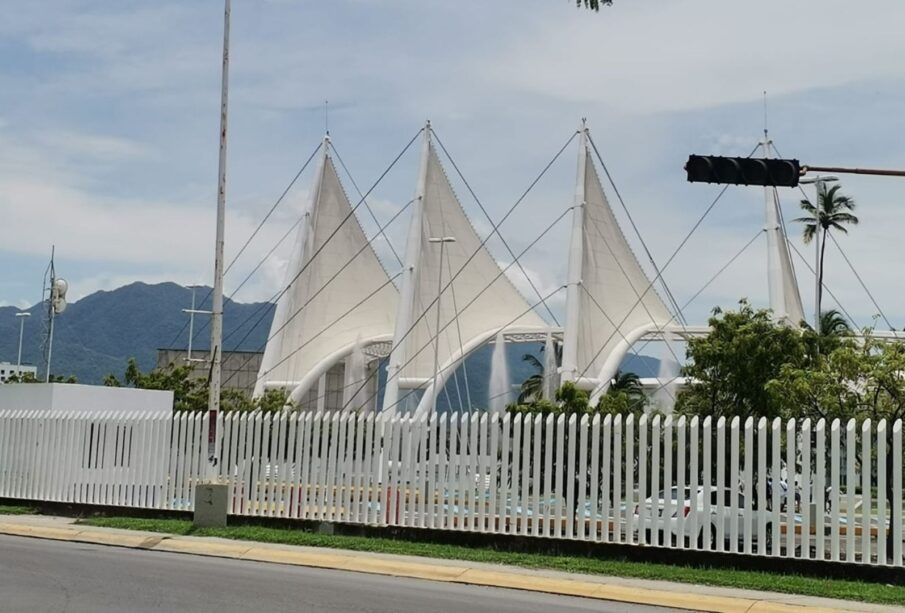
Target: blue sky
[[109, 111]]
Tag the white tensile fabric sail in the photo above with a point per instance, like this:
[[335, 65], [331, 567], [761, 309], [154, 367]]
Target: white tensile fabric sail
[[478, 302], [785, 300], [344, 272], [614, 297]]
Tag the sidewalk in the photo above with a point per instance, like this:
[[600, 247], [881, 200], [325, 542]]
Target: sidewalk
[[656, 593]]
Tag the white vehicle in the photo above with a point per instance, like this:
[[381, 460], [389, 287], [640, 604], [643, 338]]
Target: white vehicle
[[662, 518]]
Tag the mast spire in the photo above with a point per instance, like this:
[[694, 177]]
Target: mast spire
[[406, 306], [573, 289], [785, 299]]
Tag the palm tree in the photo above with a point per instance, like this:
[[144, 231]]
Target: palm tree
[[532, 388], [833, 212], [627, 382], [833, 324]]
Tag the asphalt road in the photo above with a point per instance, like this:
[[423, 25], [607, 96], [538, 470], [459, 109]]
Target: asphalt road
[[53, 576]]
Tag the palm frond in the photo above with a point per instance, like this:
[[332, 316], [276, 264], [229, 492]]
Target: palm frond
[[594, 5], [810, 230], [808, 207], [532, 359], [845, 218]]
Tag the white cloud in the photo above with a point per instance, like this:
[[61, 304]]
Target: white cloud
[[109, 147], [93, 146], [683, 54]]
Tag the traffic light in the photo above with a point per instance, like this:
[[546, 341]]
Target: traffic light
[[742, 171]]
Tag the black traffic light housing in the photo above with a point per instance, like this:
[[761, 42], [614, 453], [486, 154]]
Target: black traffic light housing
[[742, 171]]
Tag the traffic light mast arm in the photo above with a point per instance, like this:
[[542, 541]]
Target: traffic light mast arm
[[853, 171]]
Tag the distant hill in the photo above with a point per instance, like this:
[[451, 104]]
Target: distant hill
[[99, 333]]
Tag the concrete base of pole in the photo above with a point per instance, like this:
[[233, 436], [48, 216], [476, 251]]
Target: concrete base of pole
[[211, 504]]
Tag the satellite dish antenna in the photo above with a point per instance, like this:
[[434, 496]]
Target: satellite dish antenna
[[62, 286], [58, 295]]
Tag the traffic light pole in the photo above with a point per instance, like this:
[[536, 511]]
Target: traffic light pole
[[854, 171]]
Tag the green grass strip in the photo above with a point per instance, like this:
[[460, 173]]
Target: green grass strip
[[15, 510], [720, 577]]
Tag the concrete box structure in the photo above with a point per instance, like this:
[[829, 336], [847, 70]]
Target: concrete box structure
[[8, 369], [240, 368], [59, 397]]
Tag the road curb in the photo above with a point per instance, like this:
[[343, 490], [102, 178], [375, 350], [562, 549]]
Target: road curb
[[458, 573]]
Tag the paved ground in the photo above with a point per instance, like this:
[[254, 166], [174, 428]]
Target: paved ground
[[56, 576]]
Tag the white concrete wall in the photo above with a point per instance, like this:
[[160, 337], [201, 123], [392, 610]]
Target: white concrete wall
[[73, 397]]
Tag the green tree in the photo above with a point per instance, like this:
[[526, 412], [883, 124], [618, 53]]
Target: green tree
[[731, 366], [833, 212], [858, 379], [190, 393]]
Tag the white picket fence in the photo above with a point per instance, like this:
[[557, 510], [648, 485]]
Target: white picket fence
[[792, 489]]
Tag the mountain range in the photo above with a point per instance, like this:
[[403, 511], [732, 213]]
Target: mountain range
[[96, 335]]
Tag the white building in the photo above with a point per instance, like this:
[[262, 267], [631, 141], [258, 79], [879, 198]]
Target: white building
[[59, 397], [7, 370]]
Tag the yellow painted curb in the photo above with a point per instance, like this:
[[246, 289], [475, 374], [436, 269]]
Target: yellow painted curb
[[765, 606], [431, 572], [296, 558], [414, 570], [105, 538], [222, 550], [46, 532]]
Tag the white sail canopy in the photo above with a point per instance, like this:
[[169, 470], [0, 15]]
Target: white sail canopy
[[343, 295], [612, 295], [479, 301]]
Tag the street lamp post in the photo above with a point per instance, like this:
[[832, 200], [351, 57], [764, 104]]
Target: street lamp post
[[22, 316], [191, 313], [820, 187], [442, 240]]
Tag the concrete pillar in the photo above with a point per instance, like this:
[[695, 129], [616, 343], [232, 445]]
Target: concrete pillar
[[211, 504]]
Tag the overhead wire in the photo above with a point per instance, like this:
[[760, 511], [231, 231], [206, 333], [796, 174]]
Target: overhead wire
[[473, 300], [490, 220], [367, 206], [851, 266], [650, 257], [333, 277], [596, 227], [374, 395], [326, 242], [861, 281], [825, 287], [487, 238], [447, 367], [251, 237], [660, 272]]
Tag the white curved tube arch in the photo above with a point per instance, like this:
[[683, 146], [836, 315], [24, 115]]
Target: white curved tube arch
[[452, 364], [312, 377]]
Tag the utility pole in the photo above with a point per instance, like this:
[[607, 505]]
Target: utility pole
[[217, 305], [211, 495], [56, 305]]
